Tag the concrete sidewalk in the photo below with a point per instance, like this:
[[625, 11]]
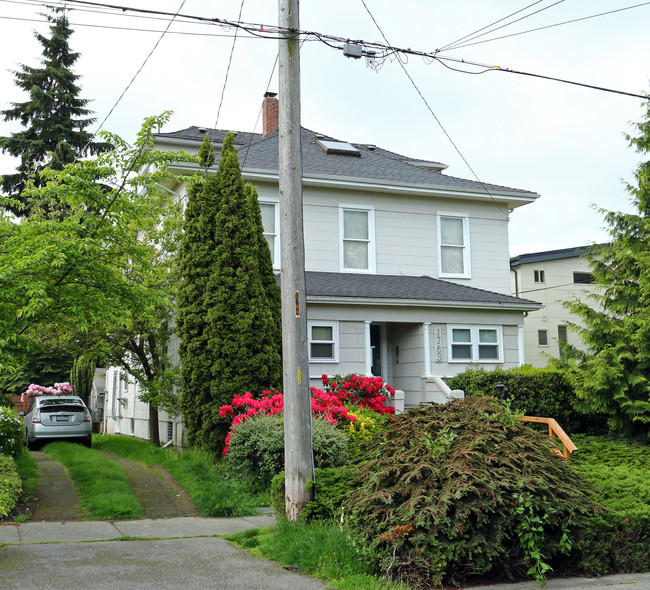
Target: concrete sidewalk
[[179, 553], [94, 530]]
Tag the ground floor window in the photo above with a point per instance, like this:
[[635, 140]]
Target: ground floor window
[[323, 341], [477, 344]]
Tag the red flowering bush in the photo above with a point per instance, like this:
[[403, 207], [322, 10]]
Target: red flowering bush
[[324, 405], [365, 392]]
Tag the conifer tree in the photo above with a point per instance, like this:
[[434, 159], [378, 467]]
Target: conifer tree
[[54, 117], [81, 376], [233, 328], [613, 378], [196, 258]]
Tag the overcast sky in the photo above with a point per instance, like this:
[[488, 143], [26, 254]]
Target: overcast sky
[[562, 141]]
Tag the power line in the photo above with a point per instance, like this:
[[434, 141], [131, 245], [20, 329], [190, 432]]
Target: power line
[[225, 81], [575, 20], [374, 52], [110, 112], [426, 103], [474, 35]]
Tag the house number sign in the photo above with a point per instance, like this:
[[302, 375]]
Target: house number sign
[[438, 340]]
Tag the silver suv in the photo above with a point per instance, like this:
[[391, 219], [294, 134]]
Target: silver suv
[[54, 417]]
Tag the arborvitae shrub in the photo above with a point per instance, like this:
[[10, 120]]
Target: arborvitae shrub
[[450, 491], [256, 449]]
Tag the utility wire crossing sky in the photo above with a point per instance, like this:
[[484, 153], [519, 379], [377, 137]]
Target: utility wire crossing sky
[[527, 130]]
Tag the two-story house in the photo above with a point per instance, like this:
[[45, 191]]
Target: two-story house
[[406, 267], [552, 278]]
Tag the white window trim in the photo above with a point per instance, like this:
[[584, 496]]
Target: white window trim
[[475, 343], [466, 246], [335, 341], [371, 238], [276, 250]]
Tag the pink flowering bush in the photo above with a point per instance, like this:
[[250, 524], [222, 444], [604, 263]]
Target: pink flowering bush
[[324, 405], [58, 389], [358, 390]]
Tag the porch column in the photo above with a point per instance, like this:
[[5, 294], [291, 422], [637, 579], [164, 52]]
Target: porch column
[[368, 348], [522, 347], [427, 348]]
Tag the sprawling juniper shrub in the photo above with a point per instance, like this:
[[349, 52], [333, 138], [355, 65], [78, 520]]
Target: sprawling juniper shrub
[[449, 491]]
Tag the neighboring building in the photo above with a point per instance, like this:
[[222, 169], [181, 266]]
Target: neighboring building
[[407, 268], [551, 278]]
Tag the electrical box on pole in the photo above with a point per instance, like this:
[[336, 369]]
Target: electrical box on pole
[[298, 456]]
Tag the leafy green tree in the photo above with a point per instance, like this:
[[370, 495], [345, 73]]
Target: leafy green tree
[[47, 363], [54, 117], [229, 313], [613, 378], [104, 273]]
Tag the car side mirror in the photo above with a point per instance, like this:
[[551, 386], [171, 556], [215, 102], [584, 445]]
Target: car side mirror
[[21, 412]]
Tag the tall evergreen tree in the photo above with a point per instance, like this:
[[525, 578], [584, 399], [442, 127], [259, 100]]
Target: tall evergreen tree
[[196, 258], [54, 117], [613, 378], [234, 323]]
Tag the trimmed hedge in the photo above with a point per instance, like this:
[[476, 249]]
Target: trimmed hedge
[[10, 485], [533, 392]]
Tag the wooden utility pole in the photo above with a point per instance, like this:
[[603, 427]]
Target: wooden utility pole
[[298, 457]]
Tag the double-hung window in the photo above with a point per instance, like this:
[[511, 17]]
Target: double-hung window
[[475, 344], [357, 231], [453, 245], [271, 222], [323, 341]]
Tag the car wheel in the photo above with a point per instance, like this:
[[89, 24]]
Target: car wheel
[[32, 445], [88, 442]]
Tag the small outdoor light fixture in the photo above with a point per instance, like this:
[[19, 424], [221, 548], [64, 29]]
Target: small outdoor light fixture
[[500, 387]]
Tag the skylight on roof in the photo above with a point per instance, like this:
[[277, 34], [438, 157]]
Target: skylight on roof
[[338, 147]]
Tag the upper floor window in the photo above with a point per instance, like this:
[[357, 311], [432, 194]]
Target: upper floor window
[[453, 245], [542, 337], [539, 276], [475, 344], [271, 221], [357, 230], [584, 278], [323, 341]]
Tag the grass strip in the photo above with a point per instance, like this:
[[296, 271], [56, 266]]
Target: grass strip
[[204, 477], [320, 549], [102, 484], [28, 472]]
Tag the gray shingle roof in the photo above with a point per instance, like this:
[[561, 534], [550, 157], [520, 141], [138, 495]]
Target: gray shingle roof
[[375, 164], [575, 252], [401, 287]]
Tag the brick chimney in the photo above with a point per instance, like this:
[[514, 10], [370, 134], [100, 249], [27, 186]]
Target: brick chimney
[[270, 113]]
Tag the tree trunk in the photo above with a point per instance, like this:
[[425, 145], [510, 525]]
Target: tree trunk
[[154, 431]]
